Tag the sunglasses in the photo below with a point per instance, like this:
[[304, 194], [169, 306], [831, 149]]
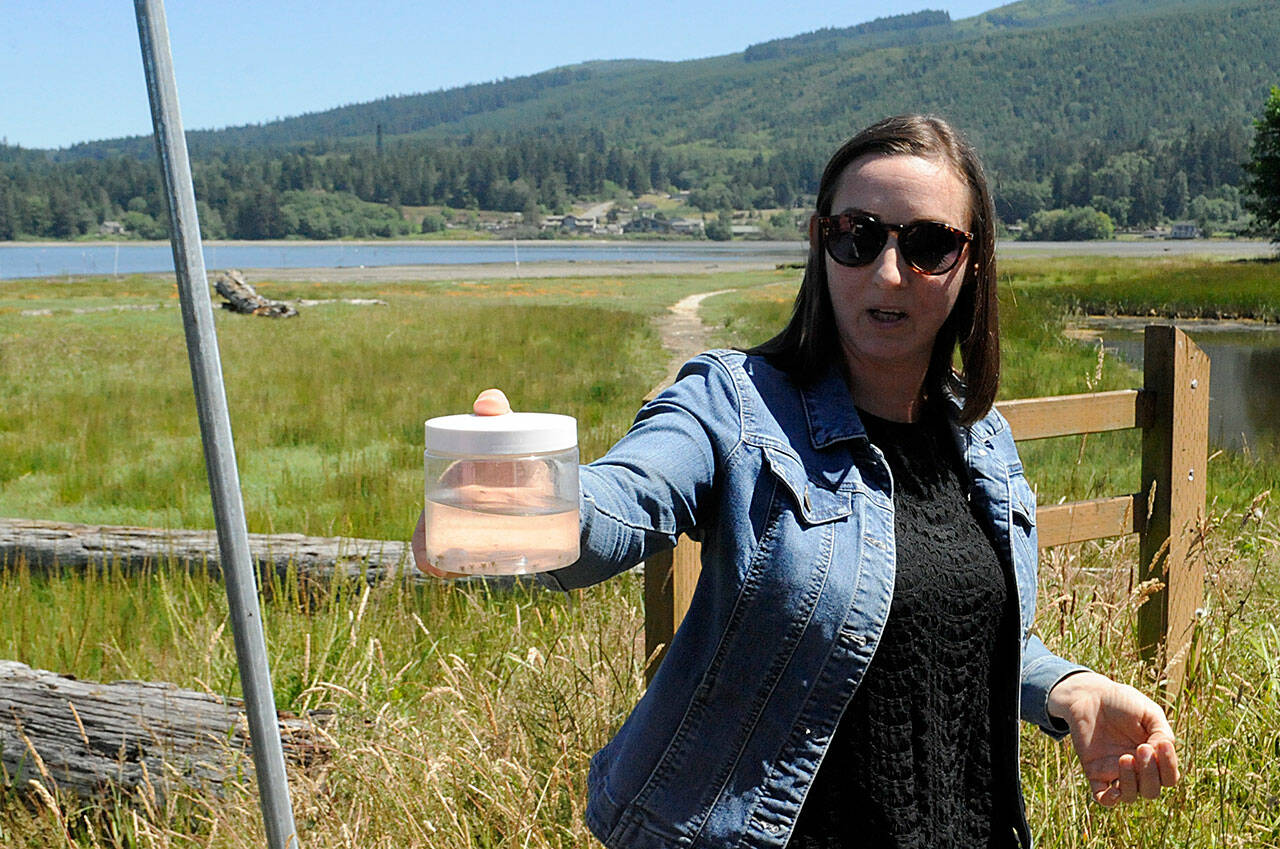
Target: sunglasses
[[856, 239]]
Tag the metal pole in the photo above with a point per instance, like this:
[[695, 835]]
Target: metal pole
[[215, 427]]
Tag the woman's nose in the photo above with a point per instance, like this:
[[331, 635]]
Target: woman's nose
[[887, 267]]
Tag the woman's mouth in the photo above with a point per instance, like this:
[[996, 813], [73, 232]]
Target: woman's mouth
[[887, 316]]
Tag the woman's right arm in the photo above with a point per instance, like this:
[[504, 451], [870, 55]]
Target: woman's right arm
[[658, 480], [648, 488]]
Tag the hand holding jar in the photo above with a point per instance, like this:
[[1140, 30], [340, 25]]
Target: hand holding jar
[[501, 492]]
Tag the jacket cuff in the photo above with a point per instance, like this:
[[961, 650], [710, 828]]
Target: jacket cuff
[[1041, 672], [599, 542]]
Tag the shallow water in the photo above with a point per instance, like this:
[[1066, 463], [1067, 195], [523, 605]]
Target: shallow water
[[1244, 379], [58, 260]]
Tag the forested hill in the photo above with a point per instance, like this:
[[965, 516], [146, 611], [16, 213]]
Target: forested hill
[[1112, 70], [1136, 107]]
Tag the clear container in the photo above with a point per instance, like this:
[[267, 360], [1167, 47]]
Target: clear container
[[501, 493]]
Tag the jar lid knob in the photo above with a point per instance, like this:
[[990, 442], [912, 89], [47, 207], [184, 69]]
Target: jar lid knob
[[491, 402]]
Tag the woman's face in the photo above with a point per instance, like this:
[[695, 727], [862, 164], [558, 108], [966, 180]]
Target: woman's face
[[887, 314]]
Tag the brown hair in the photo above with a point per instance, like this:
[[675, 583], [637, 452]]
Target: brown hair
[[809, 342]]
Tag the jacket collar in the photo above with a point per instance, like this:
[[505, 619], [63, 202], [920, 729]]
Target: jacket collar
[[984, 428], [829, 411]]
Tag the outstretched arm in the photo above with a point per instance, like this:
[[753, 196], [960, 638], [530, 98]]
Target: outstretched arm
[[1122, 738]]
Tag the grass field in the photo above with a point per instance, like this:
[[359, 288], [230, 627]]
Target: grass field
[[465, 716], [98, 423]]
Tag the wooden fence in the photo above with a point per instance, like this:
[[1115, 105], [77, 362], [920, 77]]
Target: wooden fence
[[1167, 513]]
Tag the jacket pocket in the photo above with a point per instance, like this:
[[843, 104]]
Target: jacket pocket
[[1025, 546], [815, 504], [1022, 504]]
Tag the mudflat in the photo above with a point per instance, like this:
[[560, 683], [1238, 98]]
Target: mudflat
[[497, 271]]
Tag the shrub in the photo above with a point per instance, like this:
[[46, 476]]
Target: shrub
[[1073, 224]]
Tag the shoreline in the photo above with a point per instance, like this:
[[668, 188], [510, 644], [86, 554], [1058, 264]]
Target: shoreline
[[764, 244], [1017, 245], [701, 257], [473, 272]]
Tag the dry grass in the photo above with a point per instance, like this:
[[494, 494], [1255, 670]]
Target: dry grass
[[465, 716]]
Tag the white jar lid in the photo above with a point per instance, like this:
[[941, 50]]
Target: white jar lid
[[509, 433]]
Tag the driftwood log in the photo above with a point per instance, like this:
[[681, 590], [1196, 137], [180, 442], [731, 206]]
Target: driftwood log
[[84, 737], [47, 545], [44, 545], [242, 298]]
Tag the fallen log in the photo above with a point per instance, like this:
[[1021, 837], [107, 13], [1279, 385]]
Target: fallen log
[[42, 545], [48, 545], [243, 298], [85, 737]]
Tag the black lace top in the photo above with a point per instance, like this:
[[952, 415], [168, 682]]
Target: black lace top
[[922, 756]]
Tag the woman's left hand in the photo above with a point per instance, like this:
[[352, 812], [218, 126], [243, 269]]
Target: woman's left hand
[[1122, 738]]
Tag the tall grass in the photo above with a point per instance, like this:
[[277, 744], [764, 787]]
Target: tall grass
[[465, 715], [1226, 718]]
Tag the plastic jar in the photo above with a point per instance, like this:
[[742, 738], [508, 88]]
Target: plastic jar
[[501, 493]]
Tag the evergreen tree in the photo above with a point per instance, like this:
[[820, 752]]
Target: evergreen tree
[[1178, 197], [1264, 167], [8, 213]]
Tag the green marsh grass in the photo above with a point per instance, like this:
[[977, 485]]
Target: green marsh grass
[[98, 419], [465, 715], [1170, 288]]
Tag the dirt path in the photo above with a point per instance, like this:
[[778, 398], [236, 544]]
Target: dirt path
[[683, 334]]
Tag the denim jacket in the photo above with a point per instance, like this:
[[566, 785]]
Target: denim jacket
[[794, 508]]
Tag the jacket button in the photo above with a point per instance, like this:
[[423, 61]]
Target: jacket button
[[854, 638]]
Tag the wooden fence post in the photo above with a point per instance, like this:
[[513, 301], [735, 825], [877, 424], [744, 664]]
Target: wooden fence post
[[669, 580], [1174, 458]]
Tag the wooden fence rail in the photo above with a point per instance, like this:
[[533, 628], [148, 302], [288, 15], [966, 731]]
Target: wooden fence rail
[[1172, 411]]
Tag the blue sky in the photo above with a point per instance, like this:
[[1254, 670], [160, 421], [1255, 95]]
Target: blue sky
[[71, 70]]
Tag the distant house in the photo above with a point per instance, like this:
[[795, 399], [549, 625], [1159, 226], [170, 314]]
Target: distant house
[[110, 228], [744, 229], [688, 226], [579, 223], [647, 224], [1184, 230]]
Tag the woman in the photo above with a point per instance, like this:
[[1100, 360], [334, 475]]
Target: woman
[[854, 660]]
